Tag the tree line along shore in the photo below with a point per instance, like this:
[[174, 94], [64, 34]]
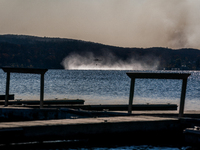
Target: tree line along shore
[[44, 52]]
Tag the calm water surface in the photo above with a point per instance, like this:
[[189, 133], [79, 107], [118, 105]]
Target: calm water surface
[[102, 87]]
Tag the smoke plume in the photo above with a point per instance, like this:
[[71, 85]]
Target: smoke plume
[[126, 23], [106, 62]]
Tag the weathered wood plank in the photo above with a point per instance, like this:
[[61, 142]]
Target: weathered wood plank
[[84, 128]]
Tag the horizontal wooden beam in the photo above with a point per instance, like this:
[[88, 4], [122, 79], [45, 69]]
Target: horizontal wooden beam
[[135, 107], [24, 70], [46, 102], [158, 75]]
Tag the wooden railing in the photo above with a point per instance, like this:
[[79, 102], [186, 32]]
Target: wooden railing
[[182, 76], [9, 70]]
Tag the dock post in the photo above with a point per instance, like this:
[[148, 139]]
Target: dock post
[[131, 95], [7, 88], [42, 90], [183, 93]]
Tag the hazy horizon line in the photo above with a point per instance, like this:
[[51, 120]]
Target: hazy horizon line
[[66, 38]]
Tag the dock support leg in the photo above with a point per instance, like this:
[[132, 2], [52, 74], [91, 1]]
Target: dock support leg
[[7, 88], [41, 91], [183, 93], [131, 95]]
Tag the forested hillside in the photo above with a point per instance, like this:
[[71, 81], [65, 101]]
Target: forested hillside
[[44, 52]]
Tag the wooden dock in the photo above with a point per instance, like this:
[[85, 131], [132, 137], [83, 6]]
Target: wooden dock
[[71, 129], [144, 127]]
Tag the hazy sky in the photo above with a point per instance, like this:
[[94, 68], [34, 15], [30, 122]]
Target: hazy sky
[[127, 23]]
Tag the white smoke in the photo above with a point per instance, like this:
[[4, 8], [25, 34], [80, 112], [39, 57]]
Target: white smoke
[[106, 62]]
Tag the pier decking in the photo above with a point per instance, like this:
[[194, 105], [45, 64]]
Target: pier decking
[[142, 126], [69, 129]]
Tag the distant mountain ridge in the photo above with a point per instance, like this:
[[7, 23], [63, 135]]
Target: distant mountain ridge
[[45, 52]]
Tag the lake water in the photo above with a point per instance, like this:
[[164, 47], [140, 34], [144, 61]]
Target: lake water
[[103, 87]]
